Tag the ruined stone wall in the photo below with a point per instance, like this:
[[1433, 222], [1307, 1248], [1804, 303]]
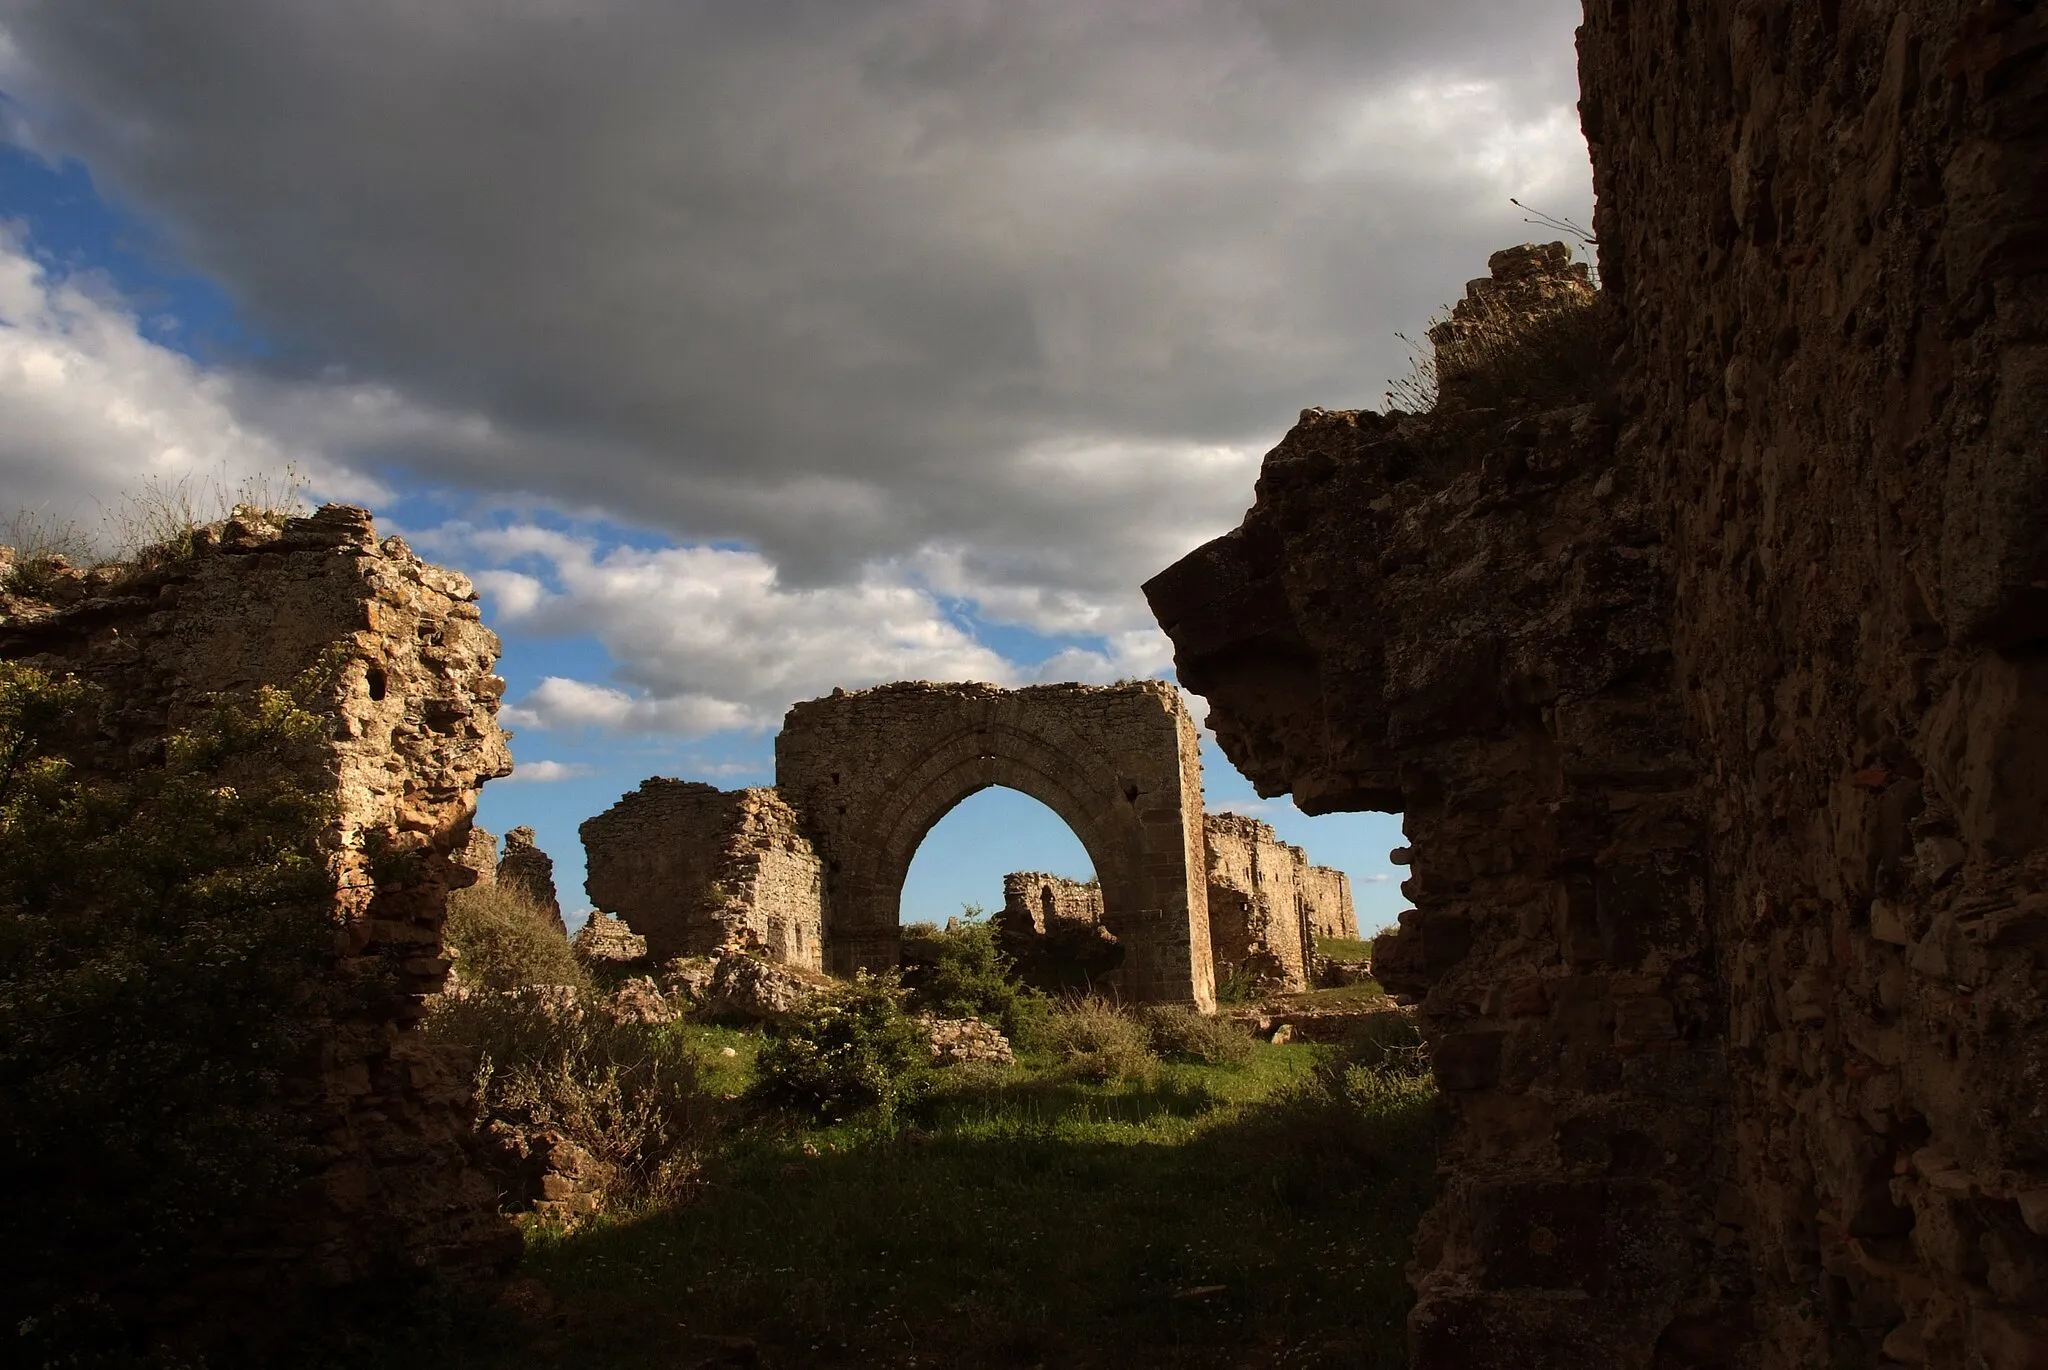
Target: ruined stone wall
[[1035, 900], [1469, 624], [697, 870], [1330, 909], [1258, 905], [871, 772], [1828, 227], [1715, 709], [1052, 929], [530, 872], [478, 855], [414, 737]]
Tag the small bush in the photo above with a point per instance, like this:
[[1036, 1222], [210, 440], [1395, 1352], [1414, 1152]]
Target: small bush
[[853, 1049], [626, 1093], [43, 545], [503, 940], [963, 972], [1187, 1035], [1239, 987], [164, 947], [1099, 1040]]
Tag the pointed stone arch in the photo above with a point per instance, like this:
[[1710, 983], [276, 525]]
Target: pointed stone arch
[[872, 771]]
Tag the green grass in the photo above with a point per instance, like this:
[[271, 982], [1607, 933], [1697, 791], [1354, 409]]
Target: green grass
[[1345, 948], [1256, 1214]]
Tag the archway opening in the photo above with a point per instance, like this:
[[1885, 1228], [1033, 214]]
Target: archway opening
[[1003, 857]]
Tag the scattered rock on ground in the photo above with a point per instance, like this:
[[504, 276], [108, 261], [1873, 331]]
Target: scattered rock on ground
[[640, 1000], [758, 990], [959, 1041]]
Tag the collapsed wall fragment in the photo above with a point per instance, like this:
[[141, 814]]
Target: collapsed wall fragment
[[697, 870]]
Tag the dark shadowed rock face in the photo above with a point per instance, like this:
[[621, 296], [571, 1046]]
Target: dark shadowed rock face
[[1717, 712]]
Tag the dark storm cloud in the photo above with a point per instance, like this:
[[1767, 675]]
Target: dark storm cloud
[[960, 280]]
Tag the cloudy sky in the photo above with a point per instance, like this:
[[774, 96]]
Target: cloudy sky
[[740, 351]]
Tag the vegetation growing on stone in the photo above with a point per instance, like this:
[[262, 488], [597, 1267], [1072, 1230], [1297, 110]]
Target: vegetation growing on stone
[[503, 940], [162, 943]]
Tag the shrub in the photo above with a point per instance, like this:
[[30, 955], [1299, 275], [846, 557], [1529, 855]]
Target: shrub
[[963, 972], [1181, 1032], [1507, 348], [1238, 987], [625, 1092], [503, 940], [164, 942], [853, 1049], [1098, 1040]]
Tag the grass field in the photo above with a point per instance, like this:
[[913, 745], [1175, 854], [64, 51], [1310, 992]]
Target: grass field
[[1245, 1215]]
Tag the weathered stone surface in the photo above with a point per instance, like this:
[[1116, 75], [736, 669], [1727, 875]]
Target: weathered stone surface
[[414, 737], [1714, 709], [754, 989], [609, 941], [967, 1041], [477, 855], [529, 871], [871, 771], [700, 870], [1330, 908], [640, 1000], [1052, 928], [1260, 922]]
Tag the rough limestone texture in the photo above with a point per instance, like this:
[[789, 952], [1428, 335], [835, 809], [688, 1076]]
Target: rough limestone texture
[[870, 772], [1038, 901], [414, 737], [605, 940], [1330, 908], [1716, 710], [479, 856], [529, 871], [1051, 927], [698, 870], [1267, 904]]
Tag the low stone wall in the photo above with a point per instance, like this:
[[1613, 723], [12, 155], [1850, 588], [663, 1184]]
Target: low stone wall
[[413, 738], [697, 870], [1036, 901]]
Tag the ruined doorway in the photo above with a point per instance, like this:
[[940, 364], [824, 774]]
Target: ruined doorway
[[872, 771]]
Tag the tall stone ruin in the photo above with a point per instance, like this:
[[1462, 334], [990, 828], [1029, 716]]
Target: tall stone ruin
[[1706, 671], [413, 737], [526, 870], [1267, 905], [697, 870]]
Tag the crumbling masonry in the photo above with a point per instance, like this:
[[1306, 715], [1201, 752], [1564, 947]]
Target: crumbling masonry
[[413, 738], [1267, 905], [1714, 700], [697, 870], [812, 871]]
